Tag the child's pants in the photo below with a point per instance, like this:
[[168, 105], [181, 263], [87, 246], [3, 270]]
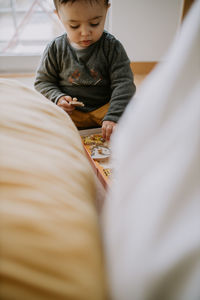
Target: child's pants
[[89, 119]]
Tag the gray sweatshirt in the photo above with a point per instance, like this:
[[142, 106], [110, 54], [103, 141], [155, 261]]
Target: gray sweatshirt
[[96, 75]]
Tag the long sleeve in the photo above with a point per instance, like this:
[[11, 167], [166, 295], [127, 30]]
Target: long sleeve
[[46, 81], [121, 79]]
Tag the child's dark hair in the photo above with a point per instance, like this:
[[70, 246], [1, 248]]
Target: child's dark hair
[[59, 2]]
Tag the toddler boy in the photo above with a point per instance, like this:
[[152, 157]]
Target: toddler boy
[[88, 64]]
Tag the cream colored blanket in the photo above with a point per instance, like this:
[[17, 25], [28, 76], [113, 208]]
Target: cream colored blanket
[[49, 235]]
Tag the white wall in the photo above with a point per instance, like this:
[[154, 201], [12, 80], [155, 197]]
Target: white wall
[[146, 28]]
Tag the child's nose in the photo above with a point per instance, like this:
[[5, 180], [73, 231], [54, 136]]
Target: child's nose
[[85, 30]]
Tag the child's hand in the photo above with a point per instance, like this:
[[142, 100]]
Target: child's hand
[[107, 129], [64, 103]]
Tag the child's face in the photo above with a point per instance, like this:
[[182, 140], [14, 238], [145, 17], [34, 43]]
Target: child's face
[[83, 21]]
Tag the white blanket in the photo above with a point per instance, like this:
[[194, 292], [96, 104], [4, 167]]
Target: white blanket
[[151, 219]]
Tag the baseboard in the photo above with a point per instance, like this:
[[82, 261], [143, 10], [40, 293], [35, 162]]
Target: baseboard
[[13, 75], [142, 68], [186, 7]]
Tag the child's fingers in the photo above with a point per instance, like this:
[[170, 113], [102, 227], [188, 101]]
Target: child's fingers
[[106, 132], [62, 102], [66, 106], [68, 98], [107, 129]]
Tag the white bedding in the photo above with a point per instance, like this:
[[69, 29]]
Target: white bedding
[[151, 219]]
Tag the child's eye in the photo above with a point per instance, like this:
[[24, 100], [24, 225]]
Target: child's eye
[[74, 27], [94, 25]]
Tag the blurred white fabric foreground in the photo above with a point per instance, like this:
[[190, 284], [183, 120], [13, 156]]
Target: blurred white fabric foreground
[[151, 219]]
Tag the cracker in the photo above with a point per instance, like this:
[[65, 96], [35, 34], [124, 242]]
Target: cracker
[[77, 103]]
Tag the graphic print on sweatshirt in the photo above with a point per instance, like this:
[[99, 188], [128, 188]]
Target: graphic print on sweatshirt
[[92, 77]]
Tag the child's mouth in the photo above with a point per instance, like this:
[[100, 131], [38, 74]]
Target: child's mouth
[[86, 42]]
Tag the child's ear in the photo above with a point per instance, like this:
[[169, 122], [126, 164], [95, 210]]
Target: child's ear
[[108, 6], [56, 12]]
